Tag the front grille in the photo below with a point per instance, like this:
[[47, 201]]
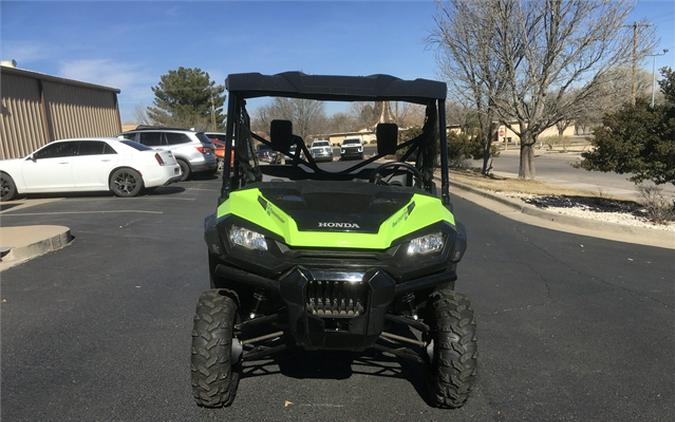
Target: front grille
[[336, 299]]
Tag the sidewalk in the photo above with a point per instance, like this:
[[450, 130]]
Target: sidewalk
[[21, 243], [497, 201]]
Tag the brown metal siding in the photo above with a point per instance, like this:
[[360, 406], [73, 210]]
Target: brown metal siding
[[79, 112], [67, 111], [22, 125]]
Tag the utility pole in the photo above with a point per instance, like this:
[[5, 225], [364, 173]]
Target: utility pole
[[633, 74], [654, 56], [213, 115]]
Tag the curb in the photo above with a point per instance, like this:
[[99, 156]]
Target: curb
[[666, 238], [20, 254]]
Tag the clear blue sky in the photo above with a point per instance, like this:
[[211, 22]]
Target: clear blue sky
[[130, 44]]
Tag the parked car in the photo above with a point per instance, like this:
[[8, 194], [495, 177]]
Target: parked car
[[351, 148], [321, 150], [124, 167], [266, 153], [218, 141], [193, 150]]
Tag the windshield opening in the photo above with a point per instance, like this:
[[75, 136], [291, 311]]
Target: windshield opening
[[384, 142], [328, 124]]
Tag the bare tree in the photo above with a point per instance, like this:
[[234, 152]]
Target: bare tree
[[462, 115], [340, 122], [366, 113], [613, 92], [465, 35], [407, 115], [555, 56], [307, 115]]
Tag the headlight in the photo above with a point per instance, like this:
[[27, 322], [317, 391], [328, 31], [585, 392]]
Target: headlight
[[247, 238], [427, 244]]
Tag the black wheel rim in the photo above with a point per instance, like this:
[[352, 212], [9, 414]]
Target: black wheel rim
[[4, 187], [125, 182]]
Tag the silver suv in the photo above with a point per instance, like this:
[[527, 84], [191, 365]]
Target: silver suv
[[193, 150]]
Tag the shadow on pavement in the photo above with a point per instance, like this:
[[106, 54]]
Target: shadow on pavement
[[205, 176], [337, 365], [166, 190]]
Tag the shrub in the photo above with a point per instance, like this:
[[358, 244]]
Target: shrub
[[405, 136], [638, 139], [658, 208], [462, 147]]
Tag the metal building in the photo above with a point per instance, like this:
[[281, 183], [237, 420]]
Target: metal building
[[39, 108]]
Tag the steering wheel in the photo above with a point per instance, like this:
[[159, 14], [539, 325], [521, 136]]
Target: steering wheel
[[378, 176]]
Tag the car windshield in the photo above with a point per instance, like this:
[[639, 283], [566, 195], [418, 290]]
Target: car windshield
[[136, 145], [320, 144], [351, 141]]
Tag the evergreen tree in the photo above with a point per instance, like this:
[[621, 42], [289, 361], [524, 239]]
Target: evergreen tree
[[187, 97], [638, 139]]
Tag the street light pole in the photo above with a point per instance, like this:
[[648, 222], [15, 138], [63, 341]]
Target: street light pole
[[653, 56]]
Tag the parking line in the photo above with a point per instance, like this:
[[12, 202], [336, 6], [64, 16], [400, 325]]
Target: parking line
[[29, 214], [204, 189], [169, 199]]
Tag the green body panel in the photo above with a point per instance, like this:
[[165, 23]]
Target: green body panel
[[245, 204]]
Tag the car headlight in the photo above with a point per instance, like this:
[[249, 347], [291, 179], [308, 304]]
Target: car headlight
[[247, 238], [427, 244]]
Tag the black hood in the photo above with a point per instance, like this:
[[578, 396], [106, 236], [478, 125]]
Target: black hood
[[337, 206]]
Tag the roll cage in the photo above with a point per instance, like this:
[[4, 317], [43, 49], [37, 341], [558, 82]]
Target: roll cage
[[423, 148]]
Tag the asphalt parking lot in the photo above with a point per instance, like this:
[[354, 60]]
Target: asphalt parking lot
[[570, 327]]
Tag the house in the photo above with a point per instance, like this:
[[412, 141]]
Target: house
[[508, 134]]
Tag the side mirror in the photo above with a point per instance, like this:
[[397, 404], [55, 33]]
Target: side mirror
[[281, 135], [387, 138], [32, 158]]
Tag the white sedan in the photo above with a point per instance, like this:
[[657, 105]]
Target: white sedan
[[77, 165]]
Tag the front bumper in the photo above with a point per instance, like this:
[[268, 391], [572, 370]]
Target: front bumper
[[351, 154], [340, 323], [323, 157]]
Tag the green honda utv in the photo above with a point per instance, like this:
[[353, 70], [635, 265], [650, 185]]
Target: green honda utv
[[360, 259]]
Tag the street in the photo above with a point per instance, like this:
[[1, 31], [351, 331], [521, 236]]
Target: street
[[557, 168], [569, 327]]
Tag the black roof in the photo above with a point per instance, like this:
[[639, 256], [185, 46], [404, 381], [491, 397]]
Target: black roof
[[337, 88], [141, 128]]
